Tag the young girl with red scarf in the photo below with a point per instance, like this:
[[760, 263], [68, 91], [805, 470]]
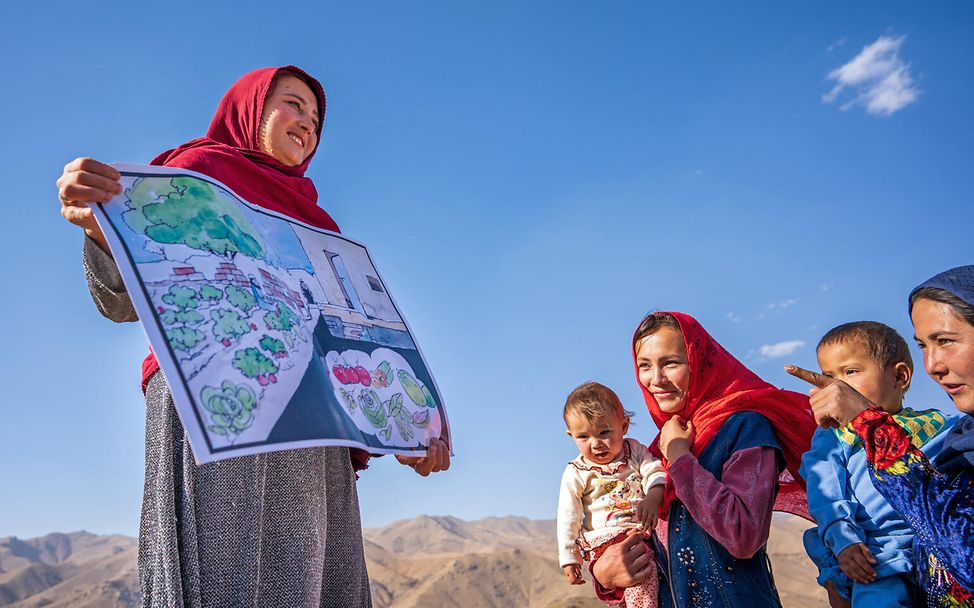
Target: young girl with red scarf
[[277, 529], [732, 445]]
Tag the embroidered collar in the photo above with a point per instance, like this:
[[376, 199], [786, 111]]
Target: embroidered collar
[[609, 469], [921, 426]]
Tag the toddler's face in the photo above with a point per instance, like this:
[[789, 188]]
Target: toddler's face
[[599, 441], [850, 362], [663, 368]]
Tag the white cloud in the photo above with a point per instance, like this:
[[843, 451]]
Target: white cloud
[[826, 286], [782, 304], [781, 349], [836, 44], [880, 80], [733, 318]]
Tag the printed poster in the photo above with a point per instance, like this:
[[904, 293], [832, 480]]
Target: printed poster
[[272, 334]]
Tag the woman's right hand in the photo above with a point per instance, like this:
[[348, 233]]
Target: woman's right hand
[[625, 564], [84, 181], [676, 438]]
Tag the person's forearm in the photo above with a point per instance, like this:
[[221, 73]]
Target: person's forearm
[[105, 284], [98, 237], [735, 510]]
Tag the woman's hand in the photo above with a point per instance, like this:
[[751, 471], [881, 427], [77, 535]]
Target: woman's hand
[[437, 459], [675, 438], [625, 564], [833, 402], [84, 181]]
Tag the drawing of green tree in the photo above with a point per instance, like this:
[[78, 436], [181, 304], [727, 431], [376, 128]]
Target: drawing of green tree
[[253, 364], [189, 211], [271, 345], [189, 317], [228, 325], [282, 320], [209, 293], [184, 338], [182, 297], [241, 298]]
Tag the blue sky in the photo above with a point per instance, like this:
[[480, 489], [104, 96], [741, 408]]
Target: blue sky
[[531, 178]]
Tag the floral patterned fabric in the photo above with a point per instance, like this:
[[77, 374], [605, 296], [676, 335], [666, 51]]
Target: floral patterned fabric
[[939, 508]]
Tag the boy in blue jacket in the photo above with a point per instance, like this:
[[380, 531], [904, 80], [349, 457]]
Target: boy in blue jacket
[[861, 546]]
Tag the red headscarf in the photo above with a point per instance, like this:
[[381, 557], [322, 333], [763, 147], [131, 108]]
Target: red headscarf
[[229, 153], [721, 386]]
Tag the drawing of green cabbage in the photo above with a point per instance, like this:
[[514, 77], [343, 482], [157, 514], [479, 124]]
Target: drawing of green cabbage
[[231, 407]]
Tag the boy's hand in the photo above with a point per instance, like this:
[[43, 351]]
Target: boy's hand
[[836, 600], [574, 574], [648, 508], [833, 402], [675, 438], [857, 562]]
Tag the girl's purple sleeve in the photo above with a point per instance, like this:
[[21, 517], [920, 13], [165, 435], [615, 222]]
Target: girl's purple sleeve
[[735, 510]]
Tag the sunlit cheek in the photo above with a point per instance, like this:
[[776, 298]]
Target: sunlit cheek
[[645, 378]]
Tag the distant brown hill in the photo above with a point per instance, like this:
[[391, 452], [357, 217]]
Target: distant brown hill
[[79, 570], [426, 561]]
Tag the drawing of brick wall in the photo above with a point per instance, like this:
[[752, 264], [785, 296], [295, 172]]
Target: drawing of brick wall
[[185, 273], [227, 272]]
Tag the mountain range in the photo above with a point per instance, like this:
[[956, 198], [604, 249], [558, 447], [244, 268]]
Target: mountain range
[[426, 561]]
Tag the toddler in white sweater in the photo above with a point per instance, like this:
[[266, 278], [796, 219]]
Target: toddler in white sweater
[[614, 485]]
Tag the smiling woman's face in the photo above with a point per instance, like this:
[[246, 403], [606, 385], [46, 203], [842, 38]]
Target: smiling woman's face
[[289, 125], [663, 368]]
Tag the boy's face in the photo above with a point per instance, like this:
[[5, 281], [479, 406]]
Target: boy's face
[[850, 362], [599, 441]]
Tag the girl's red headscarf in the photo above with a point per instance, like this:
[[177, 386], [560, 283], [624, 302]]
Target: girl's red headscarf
[[230, 154], [721, 386]]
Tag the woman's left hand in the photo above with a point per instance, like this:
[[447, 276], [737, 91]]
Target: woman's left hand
[[833, 402], [675, 438], [437, 459]]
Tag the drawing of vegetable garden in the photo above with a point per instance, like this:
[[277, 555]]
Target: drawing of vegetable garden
[[226, 313], [373, 393], [246, 310]]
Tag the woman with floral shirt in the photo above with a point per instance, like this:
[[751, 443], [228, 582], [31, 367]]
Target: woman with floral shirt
[[935, 498]]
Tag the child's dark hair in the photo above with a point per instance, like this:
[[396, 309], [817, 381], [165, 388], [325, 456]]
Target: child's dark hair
[[652, 323], [884, 345], [960, 308], [594, 401]]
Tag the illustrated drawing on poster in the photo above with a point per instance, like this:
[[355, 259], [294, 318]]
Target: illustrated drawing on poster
[[272, 334]]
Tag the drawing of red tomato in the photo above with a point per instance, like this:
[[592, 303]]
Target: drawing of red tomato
[[363, 375]]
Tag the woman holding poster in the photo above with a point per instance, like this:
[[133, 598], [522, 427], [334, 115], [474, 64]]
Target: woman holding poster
[[275, 529]]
